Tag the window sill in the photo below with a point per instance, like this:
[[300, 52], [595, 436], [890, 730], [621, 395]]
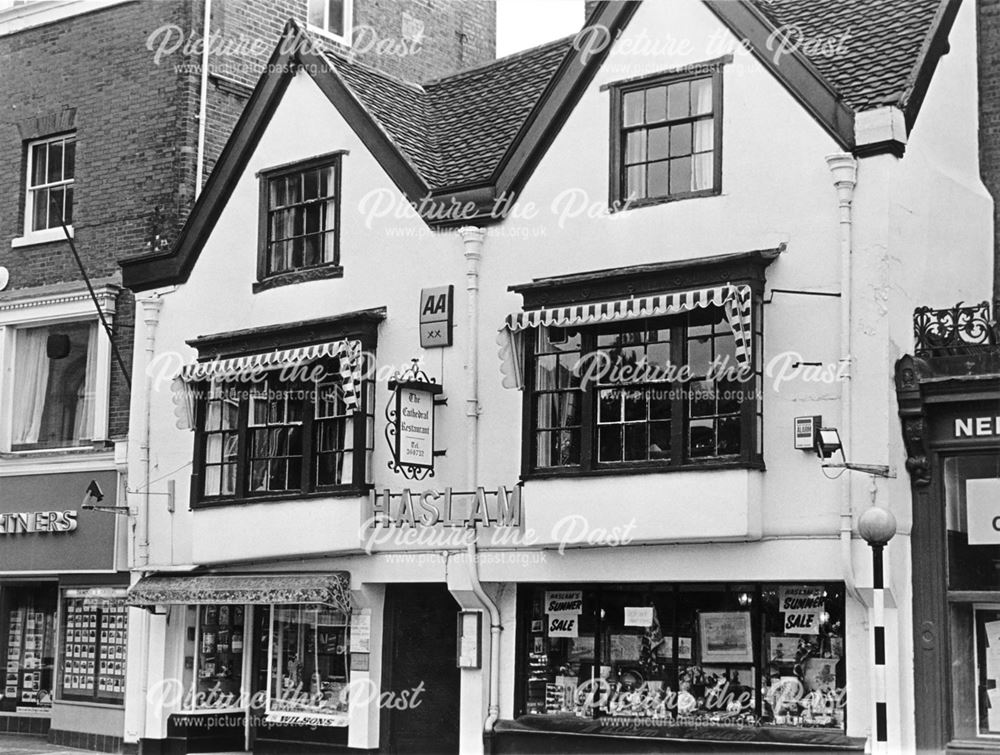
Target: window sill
[[47, 236], [958, 746], [639, 469], [353, 491], [298, 276], [344, 40], [619, 204]]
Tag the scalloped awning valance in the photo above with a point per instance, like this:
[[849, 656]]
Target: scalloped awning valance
[[735, 300]]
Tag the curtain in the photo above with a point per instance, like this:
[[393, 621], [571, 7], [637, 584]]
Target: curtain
[[703, 168], [31, 381], [83, 425]]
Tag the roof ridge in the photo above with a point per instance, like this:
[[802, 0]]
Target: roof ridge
[[465, 72], [417, 87]]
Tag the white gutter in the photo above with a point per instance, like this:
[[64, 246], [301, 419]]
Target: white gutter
[[472, 240], [844, 168], [493, 709], [151, 318], [202, 100]]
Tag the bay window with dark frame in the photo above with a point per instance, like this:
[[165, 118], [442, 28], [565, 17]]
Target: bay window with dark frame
[[640, 393], [299, 222], [666, 136], [286, 432]]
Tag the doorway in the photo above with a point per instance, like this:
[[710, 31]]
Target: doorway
[[422, 634]]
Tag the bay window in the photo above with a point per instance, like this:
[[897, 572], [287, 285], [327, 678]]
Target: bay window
[[282, 411]]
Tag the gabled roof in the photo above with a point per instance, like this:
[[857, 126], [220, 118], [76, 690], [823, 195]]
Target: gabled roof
[[842, 57], [875, 45], [455, 130], [466, 140]]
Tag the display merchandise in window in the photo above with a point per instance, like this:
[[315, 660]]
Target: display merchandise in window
[[216, 645], [28, 623], [94, 639], [309, 666], [702, 655]]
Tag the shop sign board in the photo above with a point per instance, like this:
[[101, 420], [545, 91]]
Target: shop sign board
[[982, 500], [445, 508], [977, 427], [42, 527]]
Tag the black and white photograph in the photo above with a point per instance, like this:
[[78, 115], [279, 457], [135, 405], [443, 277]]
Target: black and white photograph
[[499, 377]]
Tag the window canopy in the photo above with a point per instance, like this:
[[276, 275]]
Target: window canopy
[[734, 299], [348, 352], [259, 589]]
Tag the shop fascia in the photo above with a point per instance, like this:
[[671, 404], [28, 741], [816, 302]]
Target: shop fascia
[[37, 522], [447, 508]]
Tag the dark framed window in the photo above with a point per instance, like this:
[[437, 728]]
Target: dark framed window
[[300, 221], [273, 438], [664, 392], [666, 136]]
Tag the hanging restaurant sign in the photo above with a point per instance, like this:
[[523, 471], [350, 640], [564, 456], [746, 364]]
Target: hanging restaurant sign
[[410, 423]]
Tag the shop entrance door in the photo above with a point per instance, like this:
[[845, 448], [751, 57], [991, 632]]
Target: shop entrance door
[[422, 635]]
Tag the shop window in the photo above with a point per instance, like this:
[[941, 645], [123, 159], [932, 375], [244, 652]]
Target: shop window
[[28, 622], [216, 657], [300, 221], [658, 393], [971, 486], [753, 655], [48, 202], [277, 438], [308, 668], [332, 17], [666, 138], [93, 640], [55, 384]]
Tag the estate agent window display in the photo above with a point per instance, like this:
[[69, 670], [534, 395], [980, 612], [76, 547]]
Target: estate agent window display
[[704, 655]]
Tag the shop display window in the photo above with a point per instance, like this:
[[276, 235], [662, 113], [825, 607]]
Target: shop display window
[[93, 640], [308, 667], [971, 483], [27, 621], [216, 656], [701, 655]]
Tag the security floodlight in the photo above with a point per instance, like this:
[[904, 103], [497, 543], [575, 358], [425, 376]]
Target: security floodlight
[[828, 442]]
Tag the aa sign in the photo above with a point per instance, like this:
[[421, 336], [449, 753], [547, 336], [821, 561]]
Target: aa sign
[[437, 307], [982, 502]]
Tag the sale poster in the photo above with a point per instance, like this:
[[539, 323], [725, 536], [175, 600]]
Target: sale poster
[[563, 601], [563, 625]]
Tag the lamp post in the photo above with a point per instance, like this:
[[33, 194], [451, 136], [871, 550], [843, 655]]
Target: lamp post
[[877, 526]]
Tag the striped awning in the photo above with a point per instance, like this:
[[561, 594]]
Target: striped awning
[[332, 590], [735, 300], [251, 367]]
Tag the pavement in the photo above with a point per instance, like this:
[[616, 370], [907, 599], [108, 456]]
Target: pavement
[[22, 744]]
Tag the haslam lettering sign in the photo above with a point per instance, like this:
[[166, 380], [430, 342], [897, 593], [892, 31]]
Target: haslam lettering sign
[[447, 508], [32, 522], [982, 501]]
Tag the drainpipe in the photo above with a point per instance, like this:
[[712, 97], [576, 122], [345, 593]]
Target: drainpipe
[[493, 711], [203, 100], [472, 240], [844, 168], [151, 317]]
